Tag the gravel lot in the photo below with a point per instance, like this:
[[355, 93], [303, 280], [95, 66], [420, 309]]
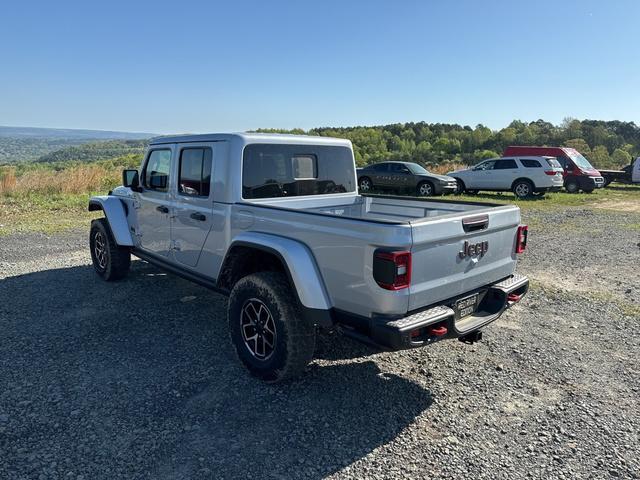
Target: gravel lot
[[137, 379]]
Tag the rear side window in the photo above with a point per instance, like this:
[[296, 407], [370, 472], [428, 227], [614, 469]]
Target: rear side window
[[530, 163], [156, 171], [505, 164], [272, 170], [381, 167], [195, 172]]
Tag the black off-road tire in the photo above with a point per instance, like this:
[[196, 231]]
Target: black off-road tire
[[588, 190], [111, 262], [571, 186], [461, 188], [295, 337]]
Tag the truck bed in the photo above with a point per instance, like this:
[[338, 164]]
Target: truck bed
[[380, 209], [343, 231]]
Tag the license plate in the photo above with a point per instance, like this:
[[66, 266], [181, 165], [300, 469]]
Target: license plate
[[466, 306]]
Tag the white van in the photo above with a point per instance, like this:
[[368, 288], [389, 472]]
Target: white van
[[524, 176]]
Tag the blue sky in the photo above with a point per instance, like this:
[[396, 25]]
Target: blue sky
[[225, 66]]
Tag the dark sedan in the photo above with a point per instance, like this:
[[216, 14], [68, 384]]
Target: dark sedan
[[405, 176]]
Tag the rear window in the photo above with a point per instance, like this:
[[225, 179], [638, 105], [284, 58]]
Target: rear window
[[272, 170], [553, 163], [530, 163]]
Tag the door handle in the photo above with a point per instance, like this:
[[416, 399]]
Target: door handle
[[198, 216], [162, 209]]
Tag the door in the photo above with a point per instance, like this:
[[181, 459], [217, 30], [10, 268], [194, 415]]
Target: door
[[380, 175], [400, 176], [192, 218], [480, 177], [155, 202], [505, 171], [635, 174]]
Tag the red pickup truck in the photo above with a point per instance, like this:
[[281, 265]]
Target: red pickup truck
[[579, 174]]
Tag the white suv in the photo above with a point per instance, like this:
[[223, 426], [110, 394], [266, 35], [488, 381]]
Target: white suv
[[524, 176]]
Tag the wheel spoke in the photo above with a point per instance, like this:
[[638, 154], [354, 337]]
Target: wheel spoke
[[258, 329]]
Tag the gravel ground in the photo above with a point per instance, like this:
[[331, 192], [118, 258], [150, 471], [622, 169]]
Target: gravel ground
[[137, 379]]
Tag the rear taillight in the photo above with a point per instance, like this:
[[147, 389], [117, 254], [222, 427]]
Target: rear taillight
[[550, 172], [521, 238], [392, 270]]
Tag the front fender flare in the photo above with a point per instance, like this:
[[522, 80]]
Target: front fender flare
[[300, 266], [116, 216]]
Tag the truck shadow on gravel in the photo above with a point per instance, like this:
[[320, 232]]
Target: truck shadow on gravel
[[138, 378]]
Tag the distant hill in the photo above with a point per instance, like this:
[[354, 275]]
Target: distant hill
[[21, 144], [71, 133], [93, 151]]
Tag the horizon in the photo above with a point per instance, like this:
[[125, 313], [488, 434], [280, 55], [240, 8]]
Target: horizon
[[287, 65], [306, 130]]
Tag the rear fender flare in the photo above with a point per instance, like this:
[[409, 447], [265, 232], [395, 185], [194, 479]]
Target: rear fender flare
[[115, 213], [299, 264]]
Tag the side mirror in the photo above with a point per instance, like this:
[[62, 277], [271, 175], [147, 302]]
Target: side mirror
[[131, 179]]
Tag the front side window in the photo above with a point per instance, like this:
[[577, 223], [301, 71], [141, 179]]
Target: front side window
[[530, 163], [195, 172], [505, 164], [156, 172], [417, 169], [399, 168], [488, 165], [273, 170]]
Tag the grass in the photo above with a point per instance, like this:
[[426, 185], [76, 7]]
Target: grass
[[53, 197], [616, 198]]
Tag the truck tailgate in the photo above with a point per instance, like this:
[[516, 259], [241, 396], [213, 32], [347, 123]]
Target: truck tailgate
[[440, 272]]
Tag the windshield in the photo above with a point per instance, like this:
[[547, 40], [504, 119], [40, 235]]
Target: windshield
[[579, 160], [417, 169]]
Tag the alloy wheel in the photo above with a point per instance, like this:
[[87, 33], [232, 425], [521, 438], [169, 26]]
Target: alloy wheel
[[426, 189], [258, 329], [100, 250], [523, 190]]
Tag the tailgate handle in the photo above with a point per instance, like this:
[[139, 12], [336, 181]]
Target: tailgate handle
[[474, 224]]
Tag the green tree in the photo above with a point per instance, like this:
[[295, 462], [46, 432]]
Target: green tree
[[600, 157], [620, 158]]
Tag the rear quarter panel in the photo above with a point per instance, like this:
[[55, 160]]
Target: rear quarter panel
[[343, 249]]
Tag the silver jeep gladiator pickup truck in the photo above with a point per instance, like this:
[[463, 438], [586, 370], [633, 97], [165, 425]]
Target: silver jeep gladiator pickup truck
[[276, 223]]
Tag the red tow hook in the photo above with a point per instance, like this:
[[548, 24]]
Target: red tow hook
[[437, 331], [513, 297]]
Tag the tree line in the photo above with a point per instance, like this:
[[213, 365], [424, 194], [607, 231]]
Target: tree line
[[607, 144]]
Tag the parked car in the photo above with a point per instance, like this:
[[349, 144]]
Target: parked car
[[406, 176], [579, 174], [629, 174], [276, 223], [524, 176]]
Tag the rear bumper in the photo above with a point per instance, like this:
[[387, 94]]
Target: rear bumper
[[439, 322]]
